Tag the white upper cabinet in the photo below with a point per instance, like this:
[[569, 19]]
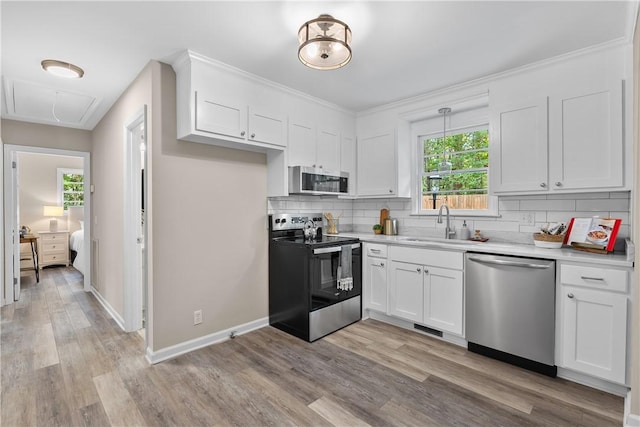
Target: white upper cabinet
[[315, 146], [377, 165], [561, 127], [224, 117], [585, 138], [518, 149], [302, 143], [266, 126], [328, 150], [232, 119]]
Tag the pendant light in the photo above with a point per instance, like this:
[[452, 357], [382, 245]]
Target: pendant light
[[324, 43], [445, 166]]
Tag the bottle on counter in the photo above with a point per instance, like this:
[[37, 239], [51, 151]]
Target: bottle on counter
[[477, 235], [465, 234]]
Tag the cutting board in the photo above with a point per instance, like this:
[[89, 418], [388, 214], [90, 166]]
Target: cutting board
[[384, 214]]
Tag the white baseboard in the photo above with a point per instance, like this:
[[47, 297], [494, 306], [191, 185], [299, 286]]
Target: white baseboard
[[114, 314], [609, 387], [185, 347]]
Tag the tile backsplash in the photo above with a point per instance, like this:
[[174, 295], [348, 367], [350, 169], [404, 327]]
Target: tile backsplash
[[512, 225]]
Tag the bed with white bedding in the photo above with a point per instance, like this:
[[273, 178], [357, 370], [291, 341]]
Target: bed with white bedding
[[76, 243], [76, 240]]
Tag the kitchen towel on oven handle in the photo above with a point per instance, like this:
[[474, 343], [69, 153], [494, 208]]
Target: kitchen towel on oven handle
[[345, 275]]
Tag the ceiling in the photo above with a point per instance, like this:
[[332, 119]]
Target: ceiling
[[400, 49]]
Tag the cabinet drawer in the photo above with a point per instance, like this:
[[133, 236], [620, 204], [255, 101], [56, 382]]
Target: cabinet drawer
[[52, 258], [437, 258], [53, 237], [376, 250], [595, 277], [50, 247]]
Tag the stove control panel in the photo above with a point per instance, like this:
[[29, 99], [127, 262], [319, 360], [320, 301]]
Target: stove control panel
[[293, 221]]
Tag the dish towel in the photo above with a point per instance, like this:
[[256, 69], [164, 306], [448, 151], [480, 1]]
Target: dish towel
[[345, 277]]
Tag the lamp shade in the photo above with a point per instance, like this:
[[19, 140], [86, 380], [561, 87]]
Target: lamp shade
[[325, 43], [53, 211]]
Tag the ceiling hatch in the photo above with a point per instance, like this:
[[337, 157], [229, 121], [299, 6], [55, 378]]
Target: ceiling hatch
[[33, 102]]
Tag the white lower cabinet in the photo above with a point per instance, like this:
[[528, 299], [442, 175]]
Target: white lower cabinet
[[594, 310], [423, 291], [406, 291], [443, 296], [375, 277]]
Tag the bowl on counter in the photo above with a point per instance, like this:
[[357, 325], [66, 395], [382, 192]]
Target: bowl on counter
[[548, 241]]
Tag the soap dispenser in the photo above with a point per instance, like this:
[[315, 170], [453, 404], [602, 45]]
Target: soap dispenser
[[465, 234]]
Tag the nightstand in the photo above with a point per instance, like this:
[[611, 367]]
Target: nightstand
[[54, 248]]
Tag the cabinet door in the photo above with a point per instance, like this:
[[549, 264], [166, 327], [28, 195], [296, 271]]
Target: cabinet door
[[377, 165], [348, 160], [328, 150], [443, 299], [594, 330], [267, 127], [375, 284], [219, 116], [585, 138], [405, 290], [518, 148], [302, 143]]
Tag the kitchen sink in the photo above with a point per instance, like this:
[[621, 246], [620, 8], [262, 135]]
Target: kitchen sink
[[437, 240]]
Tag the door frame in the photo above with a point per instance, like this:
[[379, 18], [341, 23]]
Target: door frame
[[134, 275], [10, 208]]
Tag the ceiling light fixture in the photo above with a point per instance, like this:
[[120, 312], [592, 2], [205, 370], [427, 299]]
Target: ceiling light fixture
[[445, 166], [324, 43], [62, 69]]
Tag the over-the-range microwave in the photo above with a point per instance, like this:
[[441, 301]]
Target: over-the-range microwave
[[317, 181]]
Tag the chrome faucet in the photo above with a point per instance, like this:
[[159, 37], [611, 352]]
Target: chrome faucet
[[447, 230]]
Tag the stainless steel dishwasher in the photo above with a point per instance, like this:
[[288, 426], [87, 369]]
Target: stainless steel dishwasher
[[510, 309]]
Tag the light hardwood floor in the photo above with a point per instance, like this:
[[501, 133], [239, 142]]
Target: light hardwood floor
[[65, 362]]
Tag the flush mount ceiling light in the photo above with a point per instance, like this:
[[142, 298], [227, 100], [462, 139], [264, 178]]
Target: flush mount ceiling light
[[324, 43], [62, 69]]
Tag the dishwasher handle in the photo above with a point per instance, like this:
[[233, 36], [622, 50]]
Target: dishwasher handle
[[510, 263]]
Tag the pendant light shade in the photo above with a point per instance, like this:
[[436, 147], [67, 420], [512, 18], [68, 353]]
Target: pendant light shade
[[445, 166], [324, 43]]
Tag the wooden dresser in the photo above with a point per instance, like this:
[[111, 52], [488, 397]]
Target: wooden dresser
[[54, 248]]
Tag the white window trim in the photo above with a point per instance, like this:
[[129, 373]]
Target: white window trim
[[61, 172], [418, 136]]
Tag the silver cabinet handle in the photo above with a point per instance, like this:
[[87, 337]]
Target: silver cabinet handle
[[376, 251], [242, 133], [253, 135], [418, 269], [543, 184], [558, 184], [570, 295], [426, 271], [600, 279], [382, 264], [390, 191], [320, 166]]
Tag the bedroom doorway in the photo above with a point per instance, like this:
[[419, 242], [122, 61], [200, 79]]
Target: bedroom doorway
[[135, 229], [27, 210]]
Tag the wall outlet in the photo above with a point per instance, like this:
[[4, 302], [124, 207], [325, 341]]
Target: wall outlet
[[197, 317], [528, 218]]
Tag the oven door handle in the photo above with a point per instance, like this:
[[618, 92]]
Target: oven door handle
[[332, 249]]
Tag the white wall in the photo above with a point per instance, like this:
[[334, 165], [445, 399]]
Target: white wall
[[209, 231], [38, 182]]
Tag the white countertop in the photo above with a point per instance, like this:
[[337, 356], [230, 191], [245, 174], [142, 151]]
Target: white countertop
[[564, 254]]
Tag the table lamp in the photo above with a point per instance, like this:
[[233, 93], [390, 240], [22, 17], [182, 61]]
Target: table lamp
[[53, 211]]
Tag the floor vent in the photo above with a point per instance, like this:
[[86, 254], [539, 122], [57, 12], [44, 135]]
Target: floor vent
[[427, 330]]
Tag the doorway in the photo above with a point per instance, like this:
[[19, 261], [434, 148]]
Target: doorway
[[34, 213], [135, 234]]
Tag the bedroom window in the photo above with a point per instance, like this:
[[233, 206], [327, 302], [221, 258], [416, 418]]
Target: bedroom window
[[70, 187]]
